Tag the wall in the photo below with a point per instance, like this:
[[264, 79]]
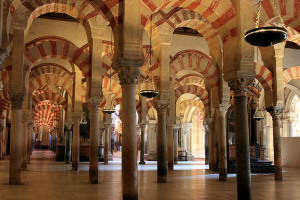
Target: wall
[[290, 151]]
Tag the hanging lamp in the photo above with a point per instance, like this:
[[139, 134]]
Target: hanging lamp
[[111, 109], [266, 36], [151, 92]]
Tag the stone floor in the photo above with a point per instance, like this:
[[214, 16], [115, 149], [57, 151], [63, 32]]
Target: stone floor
[[47, 179]]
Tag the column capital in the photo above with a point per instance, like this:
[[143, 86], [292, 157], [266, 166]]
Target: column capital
[[128, 75], [94, 104], [142, 126], [16, 101], [176, 126], [101, 130], [274, 112], [3, 55], [76, 117], [161, 107], [68, 124], [240, 85], [222, 108]]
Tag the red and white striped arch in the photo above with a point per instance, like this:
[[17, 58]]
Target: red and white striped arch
[[51, 96], [188, 79], [49, 68], [52, 79], [290, 74], [197, 61], [44, 114], [264, 76], [193, 89], [191, 103], [58, 49]]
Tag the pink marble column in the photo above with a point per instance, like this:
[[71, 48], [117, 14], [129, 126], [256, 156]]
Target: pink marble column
[[128, 80]]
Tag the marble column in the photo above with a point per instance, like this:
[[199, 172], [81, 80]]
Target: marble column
[[170, 146], [61, 126], [206, 143], [24, 141], [76, 141], [222, 145], [142, 153], [176, 128], [128, 80], [94, 109], [101, 138], [274, 112], [239, 86], [151, 140], [107, 143], [209, 124], [68, 141], [162, 167], [15, 141]]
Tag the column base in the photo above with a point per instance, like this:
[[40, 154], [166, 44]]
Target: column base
[[142, 163], [152, 156]]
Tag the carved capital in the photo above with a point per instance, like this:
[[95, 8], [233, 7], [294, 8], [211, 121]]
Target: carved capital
[[94, 104], [101, 130], [3, 55], [68, 124], [240, 86], [16, 102], [76, 117], [143, 127], [128, 75], [275, 113], [161, 107]]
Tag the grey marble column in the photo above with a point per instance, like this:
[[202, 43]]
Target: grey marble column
[[162, 167], [142, 152], [68, 142], [274, 112], [107, 143], [239, 86], [170, 146]]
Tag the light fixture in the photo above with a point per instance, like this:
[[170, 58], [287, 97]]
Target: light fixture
[[150, 93], [111, 109], [259, 114], [266, 36]]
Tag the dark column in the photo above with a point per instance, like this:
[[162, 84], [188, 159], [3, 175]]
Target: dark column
[[274, 112], [76, 142], [253, 125], [94, 109], [142, 153], [68, 141], [239, 86], [176, 128], [162, 166]]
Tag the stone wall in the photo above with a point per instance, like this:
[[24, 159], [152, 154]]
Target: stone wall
[[291, 152]]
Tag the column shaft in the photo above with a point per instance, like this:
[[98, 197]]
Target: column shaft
[[75, 146], [93, 154], [276, 142], [24, 145], [222, 145], [142, 153], [68, 139], [242, 148], [211, 145], [129, 148], [175, 130], [107, 143], [15, 142], [162, 167], [170, 147], [29, 147]]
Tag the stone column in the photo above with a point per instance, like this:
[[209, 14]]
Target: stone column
[[209, 123], [15, 140], [107, 143], [170, 146], [61, 126], [239, 86], [29, 145], [24, 141], [151, 140], [176, 128], [142, 153], [101, 136], [222, 145], [128, 80], [206, 144], [94, 109], [76, 141], [274, 112], [68, 141], [162, 168]]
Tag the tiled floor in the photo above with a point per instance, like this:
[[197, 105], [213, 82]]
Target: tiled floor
[[46, 179]]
